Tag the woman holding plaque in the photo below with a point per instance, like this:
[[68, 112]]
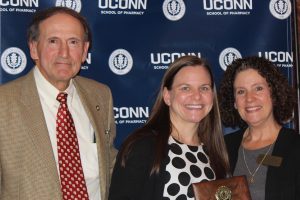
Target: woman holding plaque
[[181, 143], [256, 97]]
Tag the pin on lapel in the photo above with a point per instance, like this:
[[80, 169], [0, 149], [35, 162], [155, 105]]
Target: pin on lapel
[[97, 107]]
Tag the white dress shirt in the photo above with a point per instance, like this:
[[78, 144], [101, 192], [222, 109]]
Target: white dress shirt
[[84, 130]]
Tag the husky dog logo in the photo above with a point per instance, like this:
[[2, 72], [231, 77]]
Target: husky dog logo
[[227, 56], [73, 4], [13, 60], [120, 62], [281, 9], [174, 9]]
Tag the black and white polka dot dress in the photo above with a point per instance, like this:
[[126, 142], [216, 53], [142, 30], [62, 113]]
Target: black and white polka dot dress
[[186, 165]]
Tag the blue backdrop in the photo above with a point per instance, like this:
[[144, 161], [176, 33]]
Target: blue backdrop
[[134, 41]]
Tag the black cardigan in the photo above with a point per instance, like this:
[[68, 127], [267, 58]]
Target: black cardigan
[[134, 181], [282, 183]]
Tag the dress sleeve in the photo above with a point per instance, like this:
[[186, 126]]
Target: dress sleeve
[[129, 182]]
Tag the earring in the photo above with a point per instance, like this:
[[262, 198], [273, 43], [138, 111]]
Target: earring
[[168, 102]]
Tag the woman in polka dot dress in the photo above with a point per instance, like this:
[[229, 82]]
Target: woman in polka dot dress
[[181, 143]]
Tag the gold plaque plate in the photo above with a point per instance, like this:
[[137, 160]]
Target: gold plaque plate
[[223, 193]]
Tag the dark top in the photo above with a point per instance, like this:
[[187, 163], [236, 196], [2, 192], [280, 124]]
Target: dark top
[[283, 183], [134, 182]]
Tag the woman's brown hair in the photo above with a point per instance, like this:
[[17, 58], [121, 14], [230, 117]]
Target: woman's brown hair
[[159, 124], [283, 95]]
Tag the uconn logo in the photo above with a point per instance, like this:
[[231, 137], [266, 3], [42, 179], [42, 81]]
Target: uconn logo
[[227, 4], [167, 58], [131, 115], [88, 61], [120, 62], [13, 60], [123, 4], [122, 7], [174, 9], [227, 56], [21, 3], [281, 9], [162, 61], [131, 112], [72, 4], [279, 58]]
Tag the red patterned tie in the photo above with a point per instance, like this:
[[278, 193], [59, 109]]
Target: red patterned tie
[[71, 174]]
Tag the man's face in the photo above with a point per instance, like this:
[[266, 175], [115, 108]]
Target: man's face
[[60, 49]]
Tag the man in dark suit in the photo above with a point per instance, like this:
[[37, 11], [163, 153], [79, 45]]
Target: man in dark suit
[[30, 162]]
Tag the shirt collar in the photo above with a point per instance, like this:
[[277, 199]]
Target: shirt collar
[[47, 91]]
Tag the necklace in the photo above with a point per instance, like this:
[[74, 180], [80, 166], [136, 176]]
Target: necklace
[[252, 174]]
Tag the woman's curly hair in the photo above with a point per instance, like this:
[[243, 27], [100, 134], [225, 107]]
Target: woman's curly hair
[[282, 94]]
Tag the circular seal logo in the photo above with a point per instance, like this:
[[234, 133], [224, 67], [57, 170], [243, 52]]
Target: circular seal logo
[[223, 193], [174, 9], [73, 4], [120, 62], [13, 60], [281, 9], [227, 56]]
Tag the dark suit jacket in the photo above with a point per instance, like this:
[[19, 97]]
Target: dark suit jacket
[[283, 183], [133, 182], [27, 165]]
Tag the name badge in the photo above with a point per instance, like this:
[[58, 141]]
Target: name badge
[[269, 160]]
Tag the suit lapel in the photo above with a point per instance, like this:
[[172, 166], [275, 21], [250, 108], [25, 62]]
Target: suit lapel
[[36, 126], [93, 106]]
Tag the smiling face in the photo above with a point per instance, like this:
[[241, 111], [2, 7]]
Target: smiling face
[[253, 98], [190, 98], [60, 49]]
